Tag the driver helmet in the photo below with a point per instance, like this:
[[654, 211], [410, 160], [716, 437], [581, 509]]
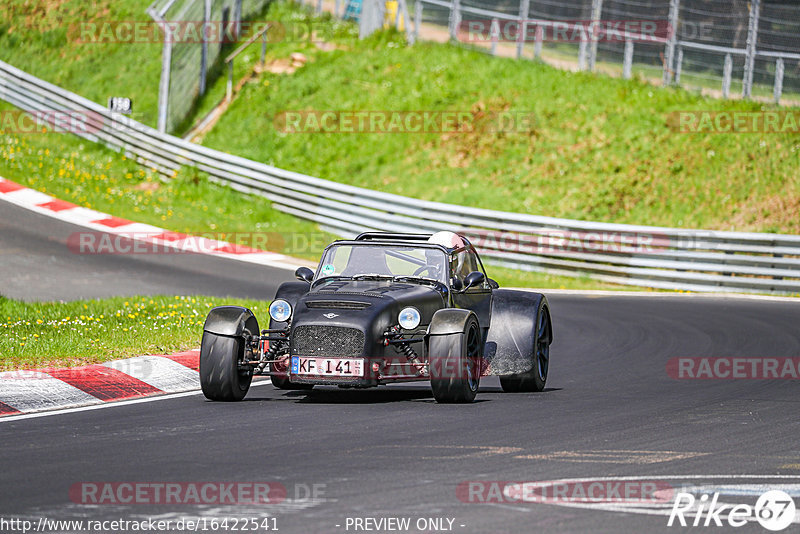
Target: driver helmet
[[449, 240]]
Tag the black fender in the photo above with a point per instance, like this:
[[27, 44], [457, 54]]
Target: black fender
[[510, 343], [449, 321], [231, 321], [290, 292]]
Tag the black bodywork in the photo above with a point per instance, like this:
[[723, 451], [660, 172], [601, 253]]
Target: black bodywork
[[357, 317]]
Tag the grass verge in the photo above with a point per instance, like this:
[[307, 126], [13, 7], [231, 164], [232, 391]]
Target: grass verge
[[53, 334]]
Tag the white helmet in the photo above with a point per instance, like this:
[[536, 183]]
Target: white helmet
[[447, 239]]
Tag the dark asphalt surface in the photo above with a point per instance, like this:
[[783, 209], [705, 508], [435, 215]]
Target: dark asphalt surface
[[37, 265], [610, 409]]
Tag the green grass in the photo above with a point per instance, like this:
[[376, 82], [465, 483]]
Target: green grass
[[92, 331], [40, 38], [601, 148]]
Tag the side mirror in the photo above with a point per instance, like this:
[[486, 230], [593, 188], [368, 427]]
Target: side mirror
[[473, 279], [304, 274], [493, 284]]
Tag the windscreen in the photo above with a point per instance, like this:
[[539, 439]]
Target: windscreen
[[384, 260]]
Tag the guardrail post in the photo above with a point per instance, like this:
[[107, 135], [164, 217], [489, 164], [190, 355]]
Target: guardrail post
[[726, 76], [627, 63], [778, 89], [494, 35], [750, 54], [669, 53], [678, 64], [597, 14], [522, 31], [455, 18], [417, 21]]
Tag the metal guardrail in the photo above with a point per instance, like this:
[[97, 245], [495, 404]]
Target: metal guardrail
[[648, 256]]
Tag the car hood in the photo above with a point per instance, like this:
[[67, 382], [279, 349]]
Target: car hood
[[370, 305]]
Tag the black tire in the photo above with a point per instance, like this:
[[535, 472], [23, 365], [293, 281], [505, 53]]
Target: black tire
[[535, 379], [220, 376], [282, 382], [455, 363]]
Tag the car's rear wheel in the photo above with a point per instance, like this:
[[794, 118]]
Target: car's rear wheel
[[221, 379], [455, 364], [535, 379]]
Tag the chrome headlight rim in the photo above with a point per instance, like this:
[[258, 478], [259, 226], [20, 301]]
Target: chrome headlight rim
[[409, 318], [280, 310]]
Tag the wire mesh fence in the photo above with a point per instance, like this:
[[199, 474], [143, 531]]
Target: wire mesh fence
[[746, 47], [186, 60]]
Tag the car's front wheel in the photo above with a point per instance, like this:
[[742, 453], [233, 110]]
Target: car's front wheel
[[455, 364], [221, 379]]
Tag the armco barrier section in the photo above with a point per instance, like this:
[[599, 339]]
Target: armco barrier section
[[649, 256]]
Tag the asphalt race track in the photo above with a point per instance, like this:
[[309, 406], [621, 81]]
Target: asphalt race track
[[610, 410]]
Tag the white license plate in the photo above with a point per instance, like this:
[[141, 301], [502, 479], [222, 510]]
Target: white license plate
[[327, 366]]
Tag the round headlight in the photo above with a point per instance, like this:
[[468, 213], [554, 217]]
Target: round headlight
[[280, 310], [409, 318]]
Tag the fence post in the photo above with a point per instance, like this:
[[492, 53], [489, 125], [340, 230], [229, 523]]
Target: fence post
[[726, 76], [672, 39], [494, 35], [582, 54], [678, 65], [628, 60], [537, 43], [163, 86], [229, 86], [597, 14], [319, 7], [204, 47], [417, 21], [455, 18], [237, 17], [263, 47], [402, 7], [750, 54], [778, 89], [337, 8], [522, 31]]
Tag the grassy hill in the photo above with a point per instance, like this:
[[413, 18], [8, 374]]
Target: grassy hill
[[600, 148]]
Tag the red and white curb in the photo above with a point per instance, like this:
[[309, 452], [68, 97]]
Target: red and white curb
[[152, 235], [39, 390]]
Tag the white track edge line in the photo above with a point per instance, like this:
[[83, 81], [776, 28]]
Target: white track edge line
[[112, 404]]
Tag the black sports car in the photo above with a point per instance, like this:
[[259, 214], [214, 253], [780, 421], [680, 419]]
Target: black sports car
[[384, 308]]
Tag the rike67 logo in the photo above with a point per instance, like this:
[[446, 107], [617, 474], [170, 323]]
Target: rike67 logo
[[774, 510]]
